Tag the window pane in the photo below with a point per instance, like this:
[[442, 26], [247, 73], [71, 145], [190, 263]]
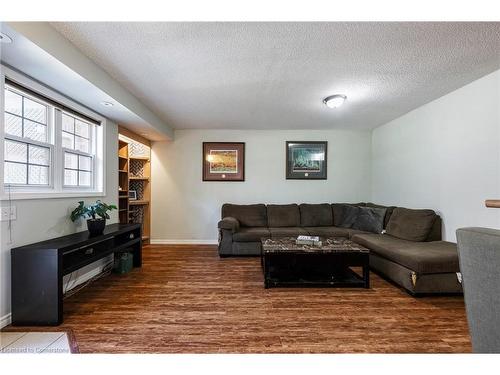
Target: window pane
[[68, 123], [70, 160], [15, 173], [13, 103], [84, 178], [13, 125], [81, 128], [70, 177], [67, 140], [81, 144], [35, 111], [38, 175], [39, 155], [85, 163], [35, 131], [16, 151]]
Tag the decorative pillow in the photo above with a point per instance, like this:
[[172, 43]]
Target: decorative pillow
[[348, 215], [370, 219], [388, 213], [338, 211], [411, 225]]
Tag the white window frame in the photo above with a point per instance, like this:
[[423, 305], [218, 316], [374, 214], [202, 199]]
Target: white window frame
[[56, 188], [91, 154], [48, 144]]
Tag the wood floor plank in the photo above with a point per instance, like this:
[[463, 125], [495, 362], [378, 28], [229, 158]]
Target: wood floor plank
[[187, 299]]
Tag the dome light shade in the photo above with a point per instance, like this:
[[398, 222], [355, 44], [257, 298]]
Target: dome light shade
[[335, 101]]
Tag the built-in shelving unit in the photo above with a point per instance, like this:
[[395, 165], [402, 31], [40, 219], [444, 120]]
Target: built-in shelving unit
[[134, 167]]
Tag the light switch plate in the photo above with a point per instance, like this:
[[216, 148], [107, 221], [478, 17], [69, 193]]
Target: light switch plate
[[8, 213]]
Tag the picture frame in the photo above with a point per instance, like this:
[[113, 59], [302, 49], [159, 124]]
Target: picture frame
[[132, 195], [223, 161], [306, 160]]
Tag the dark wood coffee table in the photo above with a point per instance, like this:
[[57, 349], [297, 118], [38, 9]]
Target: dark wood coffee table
[[287, 264]]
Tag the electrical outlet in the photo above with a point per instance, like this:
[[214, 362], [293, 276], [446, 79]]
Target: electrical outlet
[[8, 213]]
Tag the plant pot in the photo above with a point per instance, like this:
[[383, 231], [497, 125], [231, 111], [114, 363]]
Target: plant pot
[[96, 226]]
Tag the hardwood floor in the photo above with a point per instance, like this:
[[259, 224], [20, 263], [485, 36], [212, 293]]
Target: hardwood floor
[[186, 299]]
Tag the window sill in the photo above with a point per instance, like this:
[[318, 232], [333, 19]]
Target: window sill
[[45, 195]]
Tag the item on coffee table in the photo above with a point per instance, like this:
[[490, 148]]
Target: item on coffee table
[[308, 240]]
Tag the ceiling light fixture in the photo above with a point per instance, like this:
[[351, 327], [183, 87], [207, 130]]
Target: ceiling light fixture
[[107, 104], [335, 101], [4, 38]]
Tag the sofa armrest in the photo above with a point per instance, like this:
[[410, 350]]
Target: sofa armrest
[[229, 223]]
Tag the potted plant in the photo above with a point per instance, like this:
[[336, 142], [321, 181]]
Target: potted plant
[[96, 213]]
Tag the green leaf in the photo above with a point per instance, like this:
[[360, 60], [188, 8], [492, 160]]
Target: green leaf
[[97, 209]]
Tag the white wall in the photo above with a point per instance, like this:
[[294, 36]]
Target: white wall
[[184, 208], [444, 155], [41, 219]]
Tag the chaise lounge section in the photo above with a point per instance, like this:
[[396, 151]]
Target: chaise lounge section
[[405, 245]]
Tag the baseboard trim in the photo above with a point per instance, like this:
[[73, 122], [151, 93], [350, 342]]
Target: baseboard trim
[[183, 242], [5, 320]]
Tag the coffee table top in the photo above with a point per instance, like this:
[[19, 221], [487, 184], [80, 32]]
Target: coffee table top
[[329, 245]]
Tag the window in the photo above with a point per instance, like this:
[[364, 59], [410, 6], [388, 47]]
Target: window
[[77, 148], [26, 148], [49, 149]]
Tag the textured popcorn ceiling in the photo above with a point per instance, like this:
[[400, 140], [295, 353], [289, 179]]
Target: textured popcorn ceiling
[[275, 75]]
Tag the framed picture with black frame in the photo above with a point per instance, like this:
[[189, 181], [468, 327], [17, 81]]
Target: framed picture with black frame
[[306, 160]]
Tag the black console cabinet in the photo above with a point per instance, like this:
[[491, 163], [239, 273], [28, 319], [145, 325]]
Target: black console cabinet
[[38, 269]]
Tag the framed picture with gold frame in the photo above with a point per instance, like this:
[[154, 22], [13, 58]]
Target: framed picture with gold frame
[[223, 161]]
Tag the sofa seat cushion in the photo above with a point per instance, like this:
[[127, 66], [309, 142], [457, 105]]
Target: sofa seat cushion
[[283, 215], [248, 215], [251, 234], [287, 232], [333, 232], [316, 215], [421, 257], [327, 231], [411, 225]]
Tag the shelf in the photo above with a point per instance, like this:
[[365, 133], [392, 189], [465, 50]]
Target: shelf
[[122, 210], [134, 167], [144, 158], [138, 203]]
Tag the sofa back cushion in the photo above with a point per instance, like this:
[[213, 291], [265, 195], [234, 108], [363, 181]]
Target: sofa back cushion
[[249, 215], [283, 215], [388, 212], [316, 215], [411, 225], [370, 219], [435, 233]]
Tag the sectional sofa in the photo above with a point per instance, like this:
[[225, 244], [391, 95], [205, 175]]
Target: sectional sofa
[[405, 244]]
